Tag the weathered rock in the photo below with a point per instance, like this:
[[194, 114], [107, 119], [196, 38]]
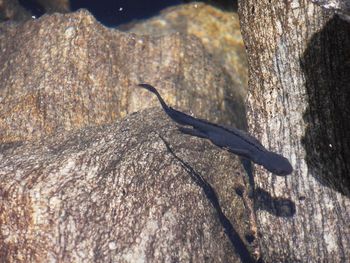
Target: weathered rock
[[298, 103], [341, 7], [12, 10], [218, 31], [118, 194], [138, 189], [68, 71]]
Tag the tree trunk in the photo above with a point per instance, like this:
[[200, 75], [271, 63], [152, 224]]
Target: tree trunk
[[298, 105]]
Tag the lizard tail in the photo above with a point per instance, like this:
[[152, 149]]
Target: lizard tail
[[153, 90], [177, 116]]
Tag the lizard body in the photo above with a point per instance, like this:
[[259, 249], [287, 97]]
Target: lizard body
[[231, 139]]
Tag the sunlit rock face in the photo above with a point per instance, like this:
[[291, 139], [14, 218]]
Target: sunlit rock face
[[218, 31], [67, 71]]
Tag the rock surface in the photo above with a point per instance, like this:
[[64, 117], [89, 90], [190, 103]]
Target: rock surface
[[74, 72], [298, 104], [341, 7], [77, 188], [12, 10], [118, 193], [218, 30]]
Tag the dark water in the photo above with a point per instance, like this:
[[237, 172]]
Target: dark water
[[111, 12], [116, 12]]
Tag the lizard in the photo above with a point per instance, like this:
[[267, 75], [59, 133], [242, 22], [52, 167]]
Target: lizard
[[229, 138]]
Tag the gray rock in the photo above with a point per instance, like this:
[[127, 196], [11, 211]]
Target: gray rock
[[78, 187], [341, 7], [118, 193], [298, 104]]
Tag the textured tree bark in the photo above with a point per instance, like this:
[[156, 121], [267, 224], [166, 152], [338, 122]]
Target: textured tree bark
[[298, 104]]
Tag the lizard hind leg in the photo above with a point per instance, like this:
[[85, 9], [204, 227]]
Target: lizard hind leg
[[193, 132]]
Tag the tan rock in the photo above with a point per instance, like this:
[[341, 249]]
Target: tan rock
[[68, 71], [218, 30]]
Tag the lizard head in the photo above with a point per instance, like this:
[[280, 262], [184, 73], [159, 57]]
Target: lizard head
[[276, 163]]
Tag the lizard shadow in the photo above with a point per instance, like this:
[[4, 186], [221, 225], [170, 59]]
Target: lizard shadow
[[326, 66], [10, 146], [280, 207], [210, 193]]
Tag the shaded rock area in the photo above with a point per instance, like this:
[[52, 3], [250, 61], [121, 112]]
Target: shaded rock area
[[218, 30], [298, 103], [340, 7], [12, 10], [51, 6], [122, 193], [74, 72]]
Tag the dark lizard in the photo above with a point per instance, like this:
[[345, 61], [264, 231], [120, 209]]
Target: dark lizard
[[231, 139]]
